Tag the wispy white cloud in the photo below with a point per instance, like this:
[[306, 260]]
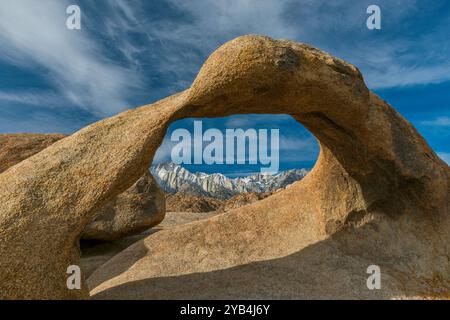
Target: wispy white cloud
[[445, 156], [438, 122], [33, 98], [205, 25], [298, 149], [162, 155], [34, 34], [400, 62]]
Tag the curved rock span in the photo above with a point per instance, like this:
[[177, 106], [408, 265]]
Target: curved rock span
[[139, 208], [378, 195]]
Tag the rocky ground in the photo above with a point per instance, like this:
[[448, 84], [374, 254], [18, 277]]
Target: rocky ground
[[183, 202], [94, 253]]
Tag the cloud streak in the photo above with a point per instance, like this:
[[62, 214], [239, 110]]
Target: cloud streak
[[438, 122], [33, 34], [32, 97], [445, 156]]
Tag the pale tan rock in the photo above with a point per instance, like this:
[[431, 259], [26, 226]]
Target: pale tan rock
[[139, 208], [377, 195], [94, 253], [184, 202], [242, 199]]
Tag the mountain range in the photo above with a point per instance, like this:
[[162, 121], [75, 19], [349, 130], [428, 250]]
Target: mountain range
[[173, 178]]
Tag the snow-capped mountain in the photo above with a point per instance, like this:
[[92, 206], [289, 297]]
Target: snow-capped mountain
[[174, 178]]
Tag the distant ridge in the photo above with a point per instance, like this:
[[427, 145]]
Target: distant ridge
[[174, 178]]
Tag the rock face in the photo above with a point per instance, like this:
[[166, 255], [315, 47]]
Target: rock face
[[243, 199], [174, 178], [139, 208], [378, 195], [183, 202]]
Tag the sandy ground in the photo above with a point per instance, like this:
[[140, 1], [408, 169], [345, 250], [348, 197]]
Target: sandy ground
[[96, 253]]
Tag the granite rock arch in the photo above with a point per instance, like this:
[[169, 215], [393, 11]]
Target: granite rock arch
[[373, 166]]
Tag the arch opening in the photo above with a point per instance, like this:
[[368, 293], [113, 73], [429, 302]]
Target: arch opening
[[227, 156]]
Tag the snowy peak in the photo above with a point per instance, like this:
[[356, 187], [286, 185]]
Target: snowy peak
[[174, 178]]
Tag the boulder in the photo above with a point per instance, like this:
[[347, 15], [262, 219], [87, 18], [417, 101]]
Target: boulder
[[139, 208], [378, 195], [243, 199], [185, 202]]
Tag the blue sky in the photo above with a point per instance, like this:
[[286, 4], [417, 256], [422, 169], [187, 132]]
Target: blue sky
[[130, 53]]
